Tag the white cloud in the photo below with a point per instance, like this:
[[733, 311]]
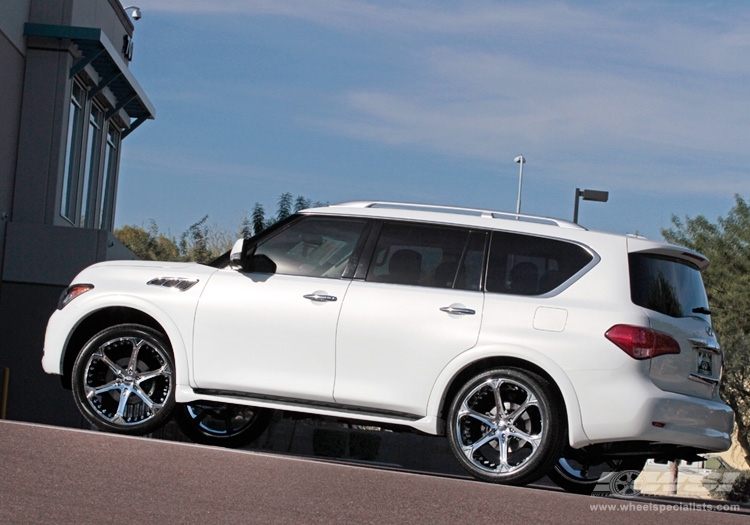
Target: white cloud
[[645, 80]]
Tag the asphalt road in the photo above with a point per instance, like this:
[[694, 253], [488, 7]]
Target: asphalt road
[[63, 476]]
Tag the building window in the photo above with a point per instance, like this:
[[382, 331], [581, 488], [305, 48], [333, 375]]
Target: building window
[[76, 130], [91, 176], [109, 182], [91, 163]]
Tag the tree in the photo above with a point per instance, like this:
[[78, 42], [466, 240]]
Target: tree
[[246, 228], [149, 245], [727, 245], [285, 206], [259, 218], [202, 242], [301, 203], [194, 243]]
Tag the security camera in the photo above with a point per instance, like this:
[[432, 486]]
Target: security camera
[[135, 13]]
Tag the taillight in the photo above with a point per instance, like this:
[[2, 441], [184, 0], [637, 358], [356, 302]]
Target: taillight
[[71, 292], [642, 343]]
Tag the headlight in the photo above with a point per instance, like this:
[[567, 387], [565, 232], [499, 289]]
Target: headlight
[[71, 292]]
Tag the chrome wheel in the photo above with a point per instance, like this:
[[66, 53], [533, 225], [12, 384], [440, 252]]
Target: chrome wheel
[[502, 427], [222, 424], [123, 380], [582, 474]]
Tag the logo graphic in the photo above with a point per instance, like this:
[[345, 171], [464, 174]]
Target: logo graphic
[[617, 484]]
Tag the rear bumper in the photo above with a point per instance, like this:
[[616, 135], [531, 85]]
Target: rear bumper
[[627, 408], [689, 422]]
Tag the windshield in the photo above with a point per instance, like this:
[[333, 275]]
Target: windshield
[[667, 285]]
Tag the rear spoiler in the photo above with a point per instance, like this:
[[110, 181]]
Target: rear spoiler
[[642, 245]]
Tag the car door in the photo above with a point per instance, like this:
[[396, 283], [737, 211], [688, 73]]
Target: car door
[[273, 332], [418, 305]]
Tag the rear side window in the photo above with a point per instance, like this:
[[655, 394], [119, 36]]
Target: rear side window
[[427, 255], [667, 285], [527, 265]]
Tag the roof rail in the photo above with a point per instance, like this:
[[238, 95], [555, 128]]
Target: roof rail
[[489, 214]]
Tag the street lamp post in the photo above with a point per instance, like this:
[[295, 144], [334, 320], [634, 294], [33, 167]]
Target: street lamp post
[[588, 195], [519, 160]]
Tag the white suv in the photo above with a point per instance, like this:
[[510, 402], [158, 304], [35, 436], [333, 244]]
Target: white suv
[[535, 345]]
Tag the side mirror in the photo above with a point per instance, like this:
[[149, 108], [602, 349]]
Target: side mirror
[[241, 261], [235, 256]]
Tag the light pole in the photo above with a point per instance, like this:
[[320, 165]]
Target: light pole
[[519, 160], [588, 195]]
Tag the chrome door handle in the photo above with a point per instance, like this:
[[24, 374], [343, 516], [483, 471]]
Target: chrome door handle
[[321, 298], [457, 310]]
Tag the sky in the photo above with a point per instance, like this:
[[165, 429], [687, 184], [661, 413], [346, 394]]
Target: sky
[[431, 101]]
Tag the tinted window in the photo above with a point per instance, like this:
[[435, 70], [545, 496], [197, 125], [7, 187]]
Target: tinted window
[[527, 265], [669, 286], [470, 271], [420, 255], [314, 246]]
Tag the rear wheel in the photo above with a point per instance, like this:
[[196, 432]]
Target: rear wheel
[[222, 425], [582, 474], [123, 380], [504, 426]]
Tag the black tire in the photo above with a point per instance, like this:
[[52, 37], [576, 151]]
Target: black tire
[[505, 426], [222, 425], [123, 380], [582, 474]]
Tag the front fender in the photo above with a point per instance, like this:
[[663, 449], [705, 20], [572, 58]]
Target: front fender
[[576, 434], [64, 323]]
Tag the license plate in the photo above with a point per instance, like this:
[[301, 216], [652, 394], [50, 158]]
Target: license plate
[[705, 363]]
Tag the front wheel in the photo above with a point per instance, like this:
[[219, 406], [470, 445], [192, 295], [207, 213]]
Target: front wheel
[[581, 474], [123, 380], [222, 425], [505, 426]]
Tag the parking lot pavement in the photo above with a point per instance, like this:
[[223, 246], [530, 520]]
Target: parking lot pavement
[[56, 475]]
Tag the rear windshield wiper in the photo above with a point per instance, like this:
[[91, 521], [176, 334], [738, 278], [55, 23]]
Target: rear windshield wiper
[[702, 310]]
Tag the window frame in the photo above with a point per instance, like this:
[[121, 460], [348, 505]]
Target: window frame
[[91, 182], [107, 196], [87, 190], [564, 285], [370, 248], [252, 244], [75, 140]]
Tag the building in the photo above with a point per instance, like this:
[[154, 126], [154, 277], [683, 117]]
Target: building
[[69, 101]]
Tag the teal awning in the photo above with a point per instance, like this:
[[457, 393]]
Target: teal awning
[[97, 50]]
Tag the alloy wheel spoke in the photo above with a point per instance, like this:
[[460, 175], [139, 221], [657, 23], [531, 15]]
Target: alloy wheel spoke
[[496, 384], [530, 401], [95, 391], [523, 436], [146, 376], [123, 404], [138, 391], [482, 418], [470, 449], [228, 417], [116, 369], [133, 363], [502, 445], [199, 416]]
